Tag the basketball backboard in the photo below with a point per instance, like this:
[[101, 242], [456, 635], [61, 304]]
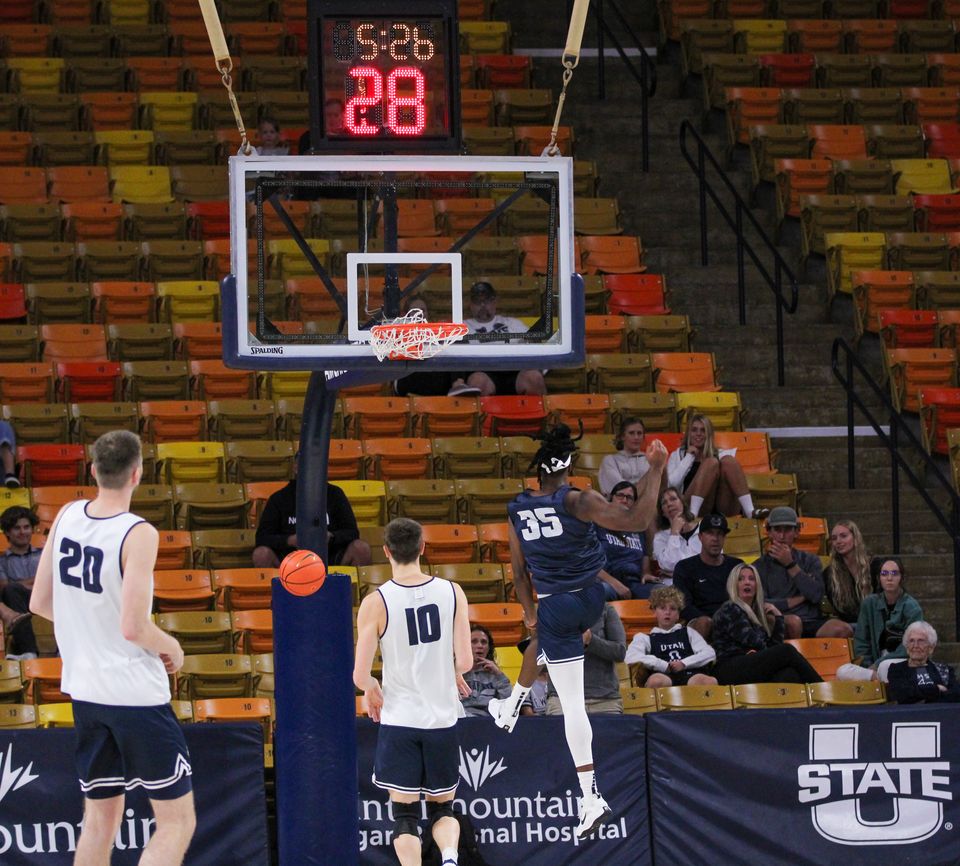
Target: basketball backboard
[[324, 247]]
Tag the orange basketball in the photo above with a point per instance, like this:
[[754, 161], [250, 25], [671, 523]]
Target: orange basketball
[[302, 572]]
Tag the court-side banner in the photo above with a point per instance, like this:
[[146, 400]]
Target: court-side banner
[[520, 791], [806, 787], [40, 802]]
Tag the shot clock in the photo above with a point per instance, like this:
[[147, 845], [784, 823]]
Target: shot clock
[[384, 76]]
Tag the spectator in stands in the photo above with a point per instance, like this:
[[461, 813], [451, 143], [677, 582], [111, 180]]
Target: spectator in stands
[[629, 463], [333, 116], [882, 624], [792, 579], [271, 142], [703, 578], [484, 319], [748, 637], [676, 654], [604, 644], [678, 535], [920, 680], [626, 552], [8, 455], [709, 478], [18, 567], [485, 678], [277, 529], [846, 578]]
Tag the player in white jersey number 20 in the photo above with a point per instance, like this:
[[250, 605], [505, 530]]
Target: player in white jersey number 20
[[95, 581]]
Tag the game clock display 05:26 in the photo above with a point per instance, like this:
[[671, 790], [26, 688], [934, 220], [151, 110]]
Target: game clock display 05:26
[[390, 75], [386, 76]]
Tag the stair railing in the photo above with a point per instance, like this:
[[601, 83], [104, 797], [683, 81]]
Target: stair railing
[[845, 364], [785, 302], [645, 76]]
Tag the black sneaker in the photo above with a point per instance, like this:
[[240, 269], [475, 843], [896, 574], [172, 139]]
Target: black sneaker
[[11, 482]]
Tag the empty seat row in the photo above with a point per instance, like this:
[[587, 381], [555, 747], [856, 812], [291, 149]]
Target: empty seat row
[[190, 38], [822, 212], [884, 294], [135, 183], [156, 260], [676, 15], [898, 251], [700, 37], [831, 137]]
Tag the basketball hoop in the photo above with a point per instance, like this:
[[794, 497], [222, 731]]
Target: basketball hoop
[[412, 338]]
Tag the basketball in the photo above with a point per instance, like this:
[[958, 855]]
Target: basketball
[[302, 572]]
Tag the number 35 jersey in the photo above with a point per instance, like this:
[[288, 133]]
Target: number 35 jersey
[[562, 552], [99, 664], [419, 680]]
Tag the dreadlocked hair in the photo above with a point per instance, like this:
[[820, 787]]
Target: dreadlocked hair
[[556, 453]]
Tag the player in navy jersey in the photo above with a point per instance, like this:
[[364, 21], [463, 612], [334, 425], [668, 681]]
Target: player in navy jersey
[[554, 549]]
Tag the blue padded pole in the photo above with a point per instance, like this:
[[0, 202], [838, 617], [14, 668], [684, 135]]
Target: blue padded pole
[[316, 743]]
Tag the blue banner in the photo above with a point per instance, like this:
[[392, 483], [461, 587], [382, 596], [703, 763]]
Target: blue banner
[[41, 805], [877, 785], [520, 791]]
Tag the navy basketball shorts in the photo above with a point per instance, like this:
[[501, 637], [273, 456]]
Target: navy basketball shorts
[[562, 618], [415, 760], [122, 748]]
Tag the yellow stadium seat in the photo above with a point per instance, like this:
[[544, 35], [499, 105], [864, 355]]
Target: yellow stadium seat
[[852, 251], [140, 183], [215, 675], [695, 698], [837, 693]]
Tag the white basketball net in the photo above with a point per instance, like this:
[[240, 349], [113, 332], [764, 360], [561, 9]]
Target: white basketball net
[[413, 338]]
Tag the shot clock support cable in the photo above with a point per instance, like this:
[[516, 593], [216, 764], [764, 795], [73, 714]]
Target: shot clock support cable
[[224, 63], [570, 59]]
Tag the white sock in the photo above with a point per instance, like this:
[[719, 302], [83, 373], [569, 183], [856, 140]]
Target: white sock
[[746, 504], [517, 697], [448, 855], [588, 783], [696, 503]]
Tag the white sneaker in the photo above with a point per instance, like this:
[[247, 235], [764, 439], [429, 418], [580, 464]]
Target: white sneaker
[[20, 657], [594, 811], [500, 718]]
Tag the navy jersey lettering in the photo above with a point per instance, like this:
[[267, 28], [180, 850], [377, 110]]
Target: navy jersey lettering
[[562, 551], [672, 646], [624, 552]]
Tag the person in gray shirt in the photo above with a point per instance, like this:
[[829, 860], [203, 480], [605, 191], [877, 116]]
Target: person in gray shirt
[[604, 644], [792, 579]]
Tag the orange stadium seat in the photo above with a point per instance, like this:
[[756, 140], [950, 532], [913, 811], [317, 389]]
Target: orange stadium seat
[[446, 543], [253, 631], [51, 465], [88, 381], [909, 329], [504, 620], [182, 589], [243, 588], [824, 654], [939, 413], [910, 370]]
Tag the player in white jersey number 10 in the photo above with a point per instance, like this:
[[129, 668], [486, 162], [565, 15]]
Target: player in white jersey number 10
[[423, 631]]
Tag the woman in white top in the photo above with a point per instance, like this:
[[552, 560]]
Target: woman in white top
[[678, 535], [709, 478], [629, 463]]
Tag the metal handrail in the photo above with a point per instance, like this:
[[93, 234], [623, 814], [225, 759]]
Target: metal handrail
[[843, 369], [646, 77], [742, 211]]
